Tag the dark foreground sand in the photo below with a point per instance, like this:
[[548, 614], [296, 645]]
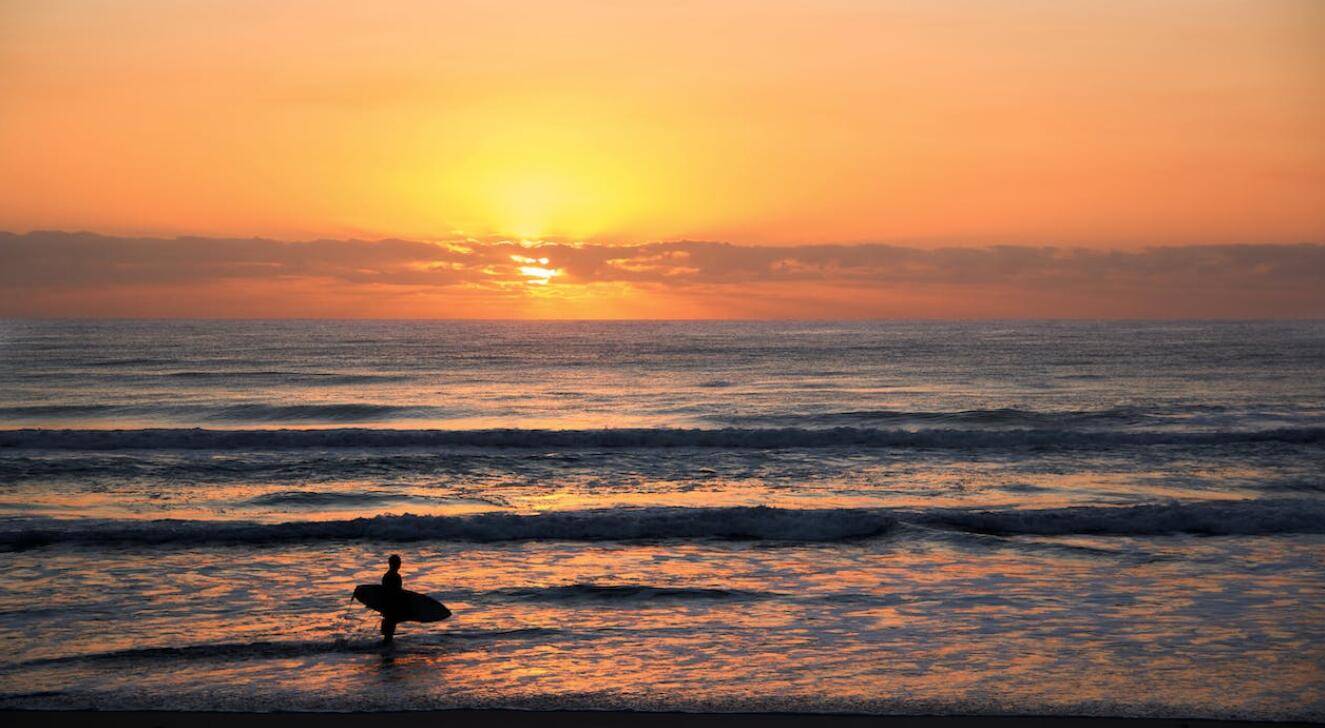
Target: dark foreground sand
[[573, 719]]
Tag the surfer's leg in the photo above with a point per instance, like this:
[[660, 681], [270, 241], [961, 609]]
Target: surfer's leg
[[388, 630]]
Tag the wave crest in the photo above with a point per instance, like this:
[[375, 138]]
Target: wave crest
[[741, 523], [759, 523], [1209, 518]]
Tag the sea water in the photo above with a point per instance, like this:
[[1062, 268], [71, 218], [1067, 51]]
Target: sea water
[[925, 517]]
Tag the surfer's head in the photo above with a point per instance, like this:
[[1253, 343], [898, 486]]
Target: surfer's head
[[393, 562]]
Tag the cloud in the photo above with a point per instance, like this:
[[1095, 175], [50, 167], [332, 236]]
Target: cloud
[[56, 259], [61, 273]]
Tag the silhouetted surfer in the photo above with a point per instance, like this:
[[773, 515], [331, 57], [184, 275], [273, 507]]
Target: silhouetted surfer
[[395, 598], [397, 604]]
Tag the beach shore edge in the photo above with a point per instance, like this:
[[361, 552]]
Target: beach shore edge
[[462, 718]]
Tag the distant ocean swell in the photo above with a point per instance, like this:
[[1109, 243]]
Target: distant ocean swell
[[735, 438], [1185, 415], [1232, 517], [169, 412], [237, 412], [255, 377]]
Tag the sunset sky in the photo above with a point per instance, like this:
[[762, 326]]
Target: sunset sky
[[561, 159]]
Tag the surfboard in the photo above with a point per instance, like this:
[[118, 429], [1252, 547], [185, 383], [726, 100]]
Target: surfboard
[[416, 607]]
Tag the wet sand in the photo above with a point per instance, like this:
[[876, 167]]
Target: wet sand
[[577, 719]]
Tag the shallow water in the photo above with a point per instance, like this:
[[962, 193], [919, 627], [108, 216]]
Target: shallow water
[[1097, 518]]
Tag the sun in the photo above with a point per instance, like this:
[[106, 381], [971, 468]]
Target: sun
[[535, 270]]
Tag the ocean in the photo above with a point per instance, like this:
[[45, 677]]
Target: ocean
[[1076, 518]]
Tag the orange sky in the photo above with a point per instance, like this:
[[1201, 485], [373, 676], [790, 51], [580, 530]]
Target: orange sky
[[921, 123], [1033, 121]]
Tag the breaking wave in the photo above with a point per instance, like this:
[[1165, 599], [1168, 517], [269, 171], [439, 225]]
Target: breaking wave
[[735, 438], [759, 523], [310, 498], [1210, 518], [753, 523]]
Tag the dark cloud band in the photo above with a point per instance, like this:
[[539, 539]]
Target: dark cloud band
[[1289, 279]]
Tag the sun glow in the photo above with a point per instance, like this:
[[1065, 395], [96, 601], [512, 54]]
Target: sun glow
[[539, 276], [535, 204], [535, 270], [575, 170]]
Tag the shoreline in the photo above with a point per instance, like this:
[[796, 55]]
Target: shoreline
[[461, 718]]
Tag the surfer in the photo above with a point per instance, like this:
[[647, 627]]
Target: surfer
[[395, 596], [396, 604]]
